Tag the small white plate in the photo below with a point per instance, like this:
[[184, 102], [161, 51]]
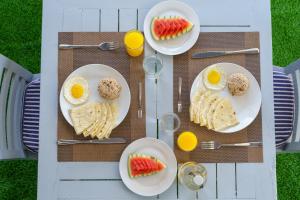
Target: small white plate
[[93, 73], [246, 106], [154, 184], [178, 45]]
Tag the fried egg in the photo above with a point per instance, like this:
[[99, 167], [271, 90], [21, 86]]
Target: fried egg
[[214, 78], [76, 90]]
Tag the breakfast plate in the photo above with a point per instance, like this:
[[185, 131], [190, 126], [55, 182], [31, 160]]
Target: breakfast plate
[[179, 44], [244, 106], [93, 73], [155, 183]]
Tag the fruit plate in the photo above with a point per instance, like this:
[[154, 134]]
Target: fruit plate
[[93, 73], [247, 106], [177, 45], [153, 184]]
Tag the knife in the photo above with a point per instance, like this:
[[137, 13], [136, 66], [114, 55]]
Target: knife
[[104, 141], [210, 54]]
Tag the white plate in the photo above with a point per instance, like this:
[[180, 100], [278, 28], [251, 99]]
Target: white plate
[[154, 184], [93, 73], [178, 45], [246, 106]]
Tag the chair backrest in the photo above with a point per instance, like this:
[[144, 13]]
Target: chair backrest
[[284, 106], [293, 70], [13, 79]]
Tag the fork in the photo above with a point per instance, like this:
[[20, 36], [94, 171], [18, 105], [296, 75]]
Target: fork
[[217, 145], [179, 105], [140, 110], [105, 46]]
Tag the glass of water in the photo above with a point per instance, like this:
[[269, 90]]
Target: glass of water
[[169, 123], [192, 175], [152, 66]]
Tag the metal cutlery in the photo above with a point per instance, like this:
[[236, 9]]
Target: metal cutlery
[[104, 141], [179, 105], [209, 54], [140, 109], [217, 145], [105, 46]]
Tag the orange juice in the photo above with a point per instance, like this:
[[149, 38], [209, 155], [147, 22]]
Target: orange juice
[[134, 43], [187, 141]]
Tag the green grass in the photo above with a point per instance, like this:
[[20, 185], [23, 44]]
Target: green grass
[[20, 32], [20, 40], [288, 176], [18, 179], [285, 31]]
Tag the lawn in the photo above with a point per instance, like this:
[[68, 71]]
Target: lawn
[[20, 40]]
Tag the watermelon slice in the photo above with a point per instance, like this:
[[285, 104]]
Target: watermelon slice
[[143, 165], [166, 28]]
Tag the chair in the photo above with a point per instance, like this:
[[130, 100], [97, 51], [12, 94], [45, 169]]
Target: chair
[[16, 86], [286, 83]]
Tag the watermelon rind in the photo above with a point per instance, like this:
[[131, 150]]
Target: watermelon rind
[[188, 28], [170, 36], [156, 37], [135, 155], [129, 167]]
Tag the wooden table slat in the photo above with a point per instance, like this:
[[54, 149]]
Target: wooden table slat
[[112, 189], [127, 19], [245, 177], [210, 189], [72, 20], [226, 185], [141, 16], [109, 20], [91, 20]]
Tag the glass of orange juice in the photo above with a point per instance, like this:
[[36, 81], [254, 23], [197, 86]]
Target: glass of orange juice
[[134, 42], [187, 141]]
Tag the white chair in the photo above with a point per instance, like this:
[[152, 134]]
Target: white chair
[[286, 106], [14, 84]]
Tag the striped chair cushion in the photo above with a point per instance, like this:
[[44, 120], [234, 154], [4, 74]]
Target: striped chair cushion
[[284, 106], [31, 114]]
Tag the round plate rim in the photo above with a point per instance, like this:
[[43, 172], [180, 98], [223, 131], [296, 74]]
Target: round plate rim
[[148, 35], [239, 66], [147, 139], [97, 65]]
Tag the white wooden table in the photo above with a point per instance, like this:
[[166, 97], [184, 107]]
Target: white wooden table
[[99, 180]]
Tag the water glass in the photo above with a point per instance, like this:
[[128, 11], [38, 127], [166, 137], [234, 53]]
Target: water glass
[[192, 175], [152, 66], [169, 123]]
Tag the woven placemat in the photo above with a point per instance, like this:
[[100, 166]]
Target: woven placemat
[[188, 69], [131, 128]]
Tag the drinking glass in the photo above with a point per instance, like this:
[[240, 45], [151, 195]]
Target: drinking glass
[[169, 123], [152, 66], [134, 43], [192, 175]]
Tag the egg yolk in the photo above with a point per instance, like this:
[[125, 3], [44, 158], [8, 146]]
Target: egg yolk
[[77, 91], [214, 77]]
